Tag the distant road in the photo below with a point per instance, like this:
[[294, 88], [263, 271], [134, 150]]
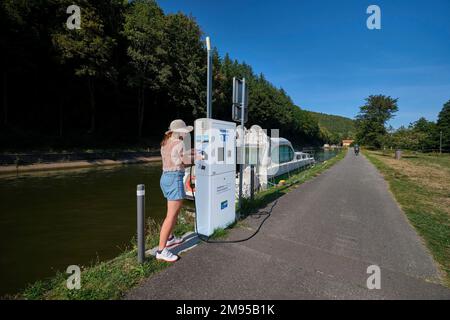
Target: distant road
[[318, 244]]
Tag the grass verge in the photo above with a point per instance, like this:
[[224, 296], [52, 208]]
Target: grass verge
[[112, 279], [421, 185]]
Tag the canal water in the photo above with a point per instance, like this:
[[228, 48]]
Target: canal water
[[51, 220], [321, 155]]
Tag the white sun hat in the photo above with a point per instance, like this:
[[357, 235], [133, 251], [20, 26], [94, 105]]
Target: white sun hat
[[179, 126]]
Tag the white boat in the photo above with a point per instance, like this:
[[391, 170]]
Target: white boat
[[278, 158], [271, 158]]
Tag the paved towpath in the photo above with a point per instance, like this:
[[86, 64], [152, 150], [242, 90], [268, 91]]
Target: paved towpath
[[318, 244]]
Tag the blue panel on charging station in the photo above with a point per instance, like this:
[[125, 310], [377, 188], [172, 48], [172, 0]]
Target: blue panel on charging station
[[224, 205]]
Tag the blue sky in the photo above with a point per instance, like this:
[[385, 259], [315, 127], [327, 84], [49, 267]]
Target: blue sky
[[323, 55]]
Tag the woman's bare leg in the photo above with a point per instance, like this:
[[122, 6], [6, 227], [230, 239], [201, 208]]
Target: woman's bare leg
[[173, 209]]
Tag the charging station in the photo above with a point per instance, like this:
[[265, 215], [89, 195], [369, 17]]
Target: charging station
[[215, 184]]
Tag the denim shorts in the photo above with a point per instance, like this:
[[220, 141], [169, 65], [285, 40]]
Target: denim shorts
[[172, 185]]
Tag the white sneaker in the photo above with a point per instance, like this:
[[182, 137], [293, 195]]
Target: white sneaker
[[174, 242], [167, 256]]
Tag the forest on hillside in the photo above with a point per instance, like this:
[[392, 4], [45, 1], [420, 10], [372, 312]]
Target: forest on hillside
[[335, 128], [121, 78]]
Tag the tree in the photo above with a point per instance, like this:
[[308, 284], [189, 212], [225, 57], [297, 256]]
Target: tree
[[126, 54], [372, 118], [19, 31], [186, 57], [144, 31], [426, 131], [443, 125], [406, 138], [89, 50]]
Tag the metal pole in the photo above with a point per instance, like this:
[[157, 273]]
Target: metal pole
[[440, 143], [141, 222], [241, 168], [209, 80], [252, 182]]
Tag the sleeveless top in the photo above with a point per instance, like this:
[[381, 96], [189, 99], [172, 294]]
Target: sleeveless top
[[172, 155]]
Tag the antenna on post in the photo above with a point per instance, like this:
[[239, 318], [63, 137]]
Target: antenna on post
[[209, 80], [240, 114]]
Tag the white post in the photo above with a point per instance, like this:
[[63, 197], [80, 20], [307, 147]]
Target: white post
[[209, 80], [241, 167]]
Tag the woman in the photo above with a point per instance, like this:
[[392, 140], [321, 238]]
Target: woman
[[174, 162]]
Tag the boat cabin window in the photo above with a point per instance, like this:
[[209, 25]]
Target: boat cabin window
[[251, 155], [283, 154]]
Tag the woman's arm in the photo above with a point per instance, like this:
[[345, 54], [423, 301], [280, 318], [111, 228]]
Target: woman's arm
[[189, 158]]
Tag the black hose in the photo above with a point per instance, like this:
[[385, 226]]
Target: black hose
[[207, 239]]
